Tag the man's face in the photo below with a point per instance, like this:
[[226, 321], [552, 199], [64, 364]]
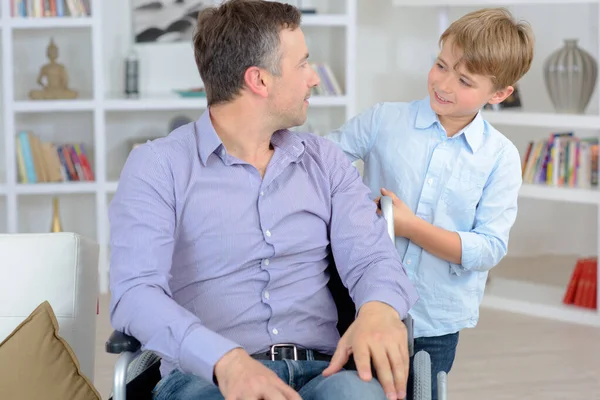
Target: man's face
[[454, 92], [291, 90]]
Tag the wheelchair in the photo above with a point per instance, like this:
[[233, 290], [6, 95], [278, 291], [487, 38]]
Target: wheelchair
[[137, 372]]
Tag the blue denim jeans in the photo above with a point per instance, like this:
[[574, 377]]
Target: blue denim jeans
[[303, 376], [442, 350]]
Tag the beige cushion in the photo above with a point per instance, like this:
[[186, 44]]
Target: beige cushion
[[36, 363]]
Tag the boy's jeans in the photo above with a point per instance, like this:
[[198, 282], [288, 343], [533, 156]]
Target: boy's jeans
[[303, 376], [442, 350]]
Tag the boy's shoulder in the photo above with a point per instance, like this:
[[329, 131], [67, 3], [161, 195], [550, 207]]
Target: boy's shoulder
[[496, 141]]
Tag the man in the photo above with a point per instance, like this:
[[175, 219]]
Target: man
[[221, 234]]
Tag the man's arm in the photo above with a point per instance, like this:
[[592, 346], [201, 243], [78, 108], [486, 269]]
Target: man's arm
[[357, 135], [369, 265], [365, 255], [142, 236]]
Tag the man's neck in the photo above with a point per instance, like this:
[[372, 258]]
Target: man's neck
[[245, 133]]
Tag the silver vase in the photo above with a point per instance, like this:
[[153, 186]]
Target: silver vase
[[570, 75]]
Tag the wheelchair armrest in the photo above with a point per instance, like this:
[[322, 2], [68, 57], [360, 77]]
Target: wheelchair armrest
[[118, 342], [408, 322]]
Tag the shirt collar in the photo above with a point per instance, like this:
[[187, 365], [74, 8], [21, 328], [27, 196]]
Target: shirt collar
[[473, 132], [209, 142]]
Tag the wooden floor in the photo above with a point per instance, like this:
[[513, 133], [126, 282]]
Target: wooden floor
[[508, 356]]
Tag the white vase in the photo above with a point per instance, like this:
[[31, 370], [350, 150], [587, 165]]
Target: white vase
[[570, 74]]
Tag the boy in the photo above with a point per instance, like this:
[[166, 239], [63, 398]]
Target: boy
[[455, 176]]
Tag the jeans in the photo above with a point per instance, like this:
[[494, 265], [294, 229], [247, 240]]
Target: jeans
[[303, 376], [442, 350]]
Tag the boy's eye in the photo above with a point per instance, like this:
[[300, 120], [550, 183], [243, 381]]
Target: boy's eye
[[465, 83], [440, 66]]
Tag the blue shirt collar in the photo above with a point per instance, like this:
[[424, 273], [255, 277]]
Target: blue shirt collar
[[473, 132]]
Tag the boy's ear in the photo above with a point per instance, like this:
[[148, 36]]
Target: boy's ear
[[500, 95]]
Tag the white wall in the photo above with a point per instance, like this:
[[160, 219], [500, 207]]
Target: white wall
[[395, 50]]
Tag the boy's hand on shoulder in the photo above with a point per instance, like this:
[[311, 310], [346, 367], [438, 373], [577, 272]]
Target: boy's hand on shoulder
[[404, 218]]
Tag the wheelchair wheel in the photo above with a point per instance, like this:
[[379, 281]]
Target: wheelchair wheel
[[422, 376]]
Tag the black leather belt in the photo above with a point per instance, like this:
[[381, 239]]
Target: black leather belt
[[290, 352]]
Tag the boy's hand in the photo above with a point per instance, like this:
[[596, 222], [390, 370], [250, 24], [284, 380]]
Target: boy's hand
[[403, 216]]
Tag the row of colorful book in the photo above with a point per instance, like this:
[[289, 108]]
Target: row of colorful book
[[562, 160], [39, 161], [49, 8], [329, 85], [582, 290]]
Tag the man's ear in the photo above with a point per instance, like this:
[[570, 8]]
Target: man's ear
[[501, 95], [257, 80]]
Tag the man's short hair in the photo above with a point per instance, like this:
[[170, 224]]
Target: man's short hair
[[494, 44], [235, 36]]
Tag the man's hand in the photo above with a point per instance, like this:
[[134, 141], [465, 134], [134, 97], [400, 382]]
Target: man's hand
[[242, 377], [404, 218], [379, 334]]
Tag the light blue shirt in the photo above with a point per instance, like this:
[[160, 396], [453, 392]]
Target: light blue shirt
[[207, 255], [468, 183]]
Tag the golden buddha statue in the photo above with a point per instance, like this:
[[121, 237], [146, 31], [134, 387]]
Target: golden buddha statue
[[53, 79]]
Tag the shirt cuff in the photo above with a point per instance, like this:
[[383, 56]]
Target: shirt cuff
[[200, 351], [471, 250], [391, 298]]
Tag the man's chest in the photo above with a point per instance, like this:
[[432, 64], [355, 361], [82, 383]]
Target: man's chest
[[234, 219]]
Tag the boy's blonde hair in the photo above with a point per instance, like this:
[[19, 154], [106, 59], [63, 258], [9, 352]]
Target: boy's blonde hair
[[493, 45]]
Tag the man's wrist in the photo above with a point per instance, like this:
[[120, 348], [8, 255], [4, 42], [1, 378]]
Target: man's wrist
[[225, 362], [377, 307]]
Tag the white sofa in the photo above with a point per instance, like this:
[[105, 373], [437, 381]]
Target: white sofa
[[61, 268]]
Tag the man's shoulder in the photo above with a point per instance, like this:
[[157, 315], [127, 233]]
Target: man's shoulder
[[319, 146], [175, 145]]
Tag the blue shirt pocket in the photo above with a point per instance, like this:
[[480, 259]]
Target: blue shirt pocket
[[464, 189]]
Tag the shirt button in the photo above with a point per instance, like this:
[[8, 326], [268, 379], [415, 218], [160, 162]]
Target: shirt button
[[267, 262], [268, 233], [275, 331], [267, 295], [408, 262], [222, 153], [430, 181], [262, 193]]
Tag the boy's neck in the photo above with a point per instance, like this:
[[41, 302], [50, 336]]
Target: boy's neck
[[454, 125]]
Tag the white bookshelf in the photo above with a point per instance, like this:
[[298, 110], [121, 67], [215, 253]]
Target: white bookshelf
[[529, 298], [17, 199]]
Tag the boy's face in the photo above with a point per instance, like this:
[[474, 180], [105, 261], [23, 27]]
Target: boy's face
[[456, 93]]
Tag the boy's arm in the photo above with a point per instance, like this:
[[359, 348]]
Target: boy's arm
[[357, 135], [486, 244]]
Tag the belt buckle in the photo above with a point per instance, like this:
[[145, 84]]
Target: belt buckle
[[275, 346]]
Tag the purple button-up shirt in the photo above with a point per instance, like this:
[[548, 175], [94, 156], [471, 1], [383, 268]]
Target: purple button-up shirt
[[207, 256]]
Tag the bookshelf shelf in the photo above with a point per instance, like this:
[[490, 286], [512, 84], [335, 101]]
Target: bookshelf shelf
[[53, 106], [542, 120], [56, 188], [50, 22], [537, 300], [111, 187], [565, 194]]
